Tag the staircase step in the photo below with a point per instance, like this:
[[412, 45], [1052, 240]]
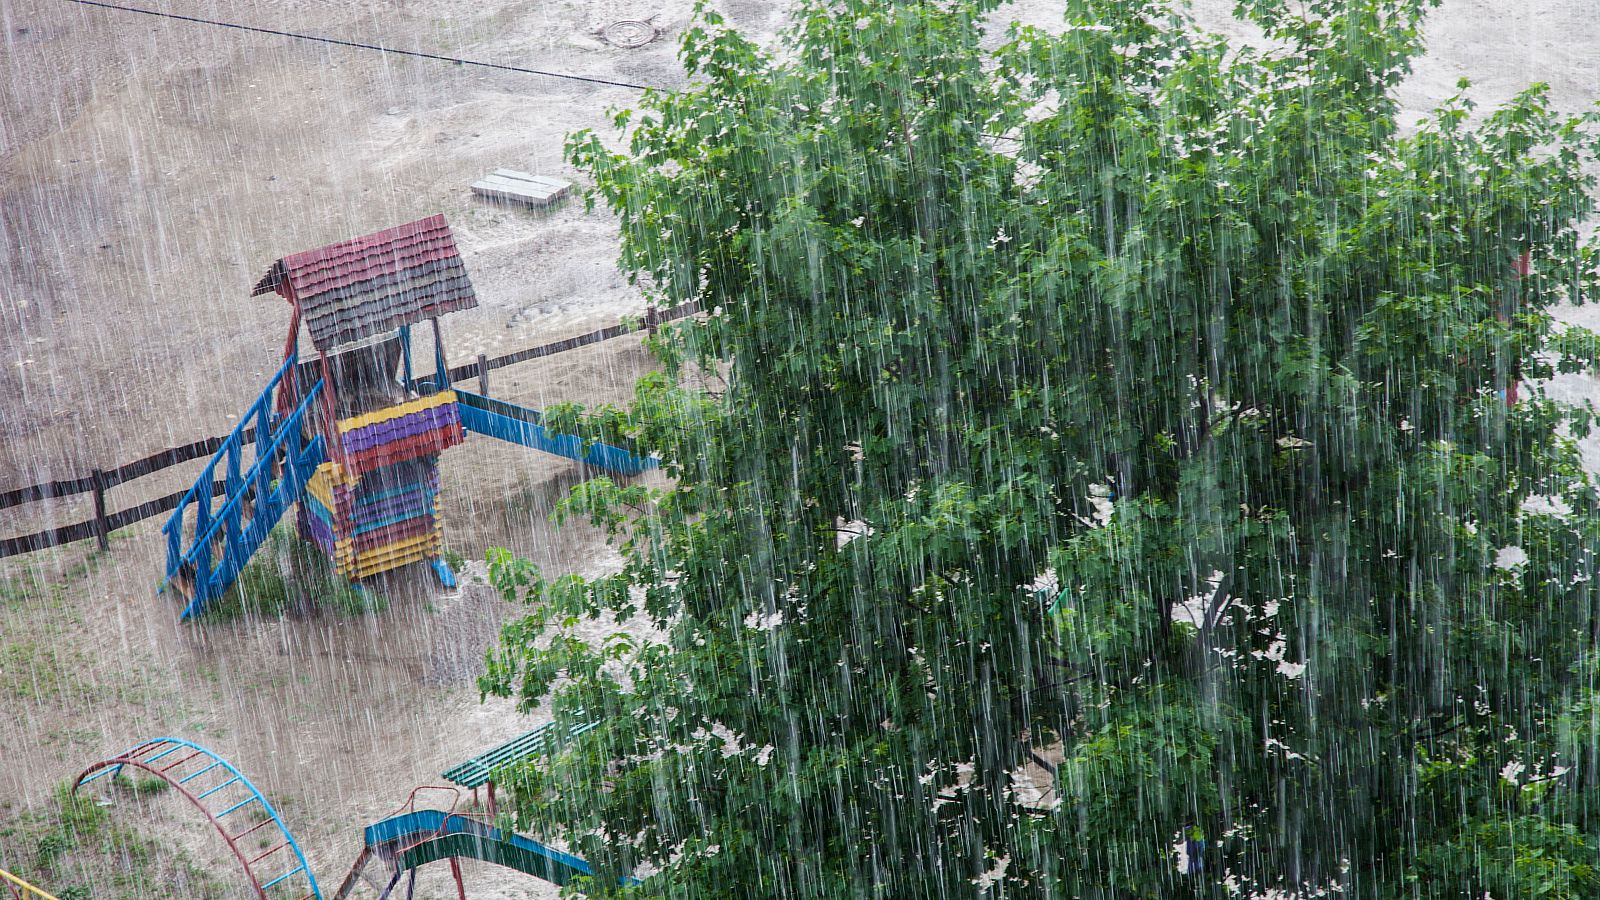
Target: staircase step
[[284, 463]]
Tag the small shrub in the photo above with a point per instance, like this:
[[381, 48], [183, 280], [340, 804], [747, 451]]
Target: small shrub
[[50, 846], [287, 574], [349, 601], [79, 815], [79, 820], [142, 786], [261, 590]]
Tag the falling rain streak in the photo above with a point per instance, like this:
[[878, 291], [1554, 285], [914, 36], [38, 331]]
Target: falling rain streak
[[1026, 450]]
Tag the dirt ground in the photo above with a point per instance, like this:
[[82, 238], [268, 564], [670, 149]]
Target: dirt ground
[[151, 169]]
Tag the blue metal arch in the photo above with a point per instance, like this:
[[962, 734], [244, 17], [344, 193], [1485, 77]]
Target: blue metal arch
[[143, 756]]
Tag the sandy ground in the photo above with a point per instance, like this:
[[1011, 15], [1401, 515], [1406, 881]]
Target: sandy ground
[[334, 719], [151, 169]]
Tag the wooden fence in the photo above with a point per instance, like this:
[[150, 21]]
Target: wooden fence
[[99, 481]]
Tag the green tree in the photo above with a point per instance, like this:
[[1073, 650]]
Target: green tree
[[1113, 412]]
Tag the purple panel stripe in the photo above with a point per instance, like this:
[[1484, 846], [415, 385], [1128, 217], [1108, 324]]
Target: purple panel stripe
[[442, 414], [369, 436], [318, 531], [419, 436]]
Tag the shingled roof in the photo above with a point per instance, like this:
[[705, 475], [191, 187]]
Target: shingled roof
[[375, 283]]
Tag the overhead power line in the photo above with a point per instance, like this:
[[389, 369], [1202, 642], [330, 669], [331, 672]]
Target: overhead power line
[[360, 46], [382, 49]]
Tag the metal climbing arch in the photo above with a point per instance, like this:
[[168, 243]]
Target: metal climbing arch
[[220, 791]]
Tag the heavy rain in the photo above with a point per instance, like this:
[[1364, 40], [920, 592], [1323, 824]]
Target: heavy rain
[[799, 449]]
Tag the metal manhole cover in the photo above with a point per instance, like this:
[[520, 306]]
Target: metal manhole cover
[[629, 33]]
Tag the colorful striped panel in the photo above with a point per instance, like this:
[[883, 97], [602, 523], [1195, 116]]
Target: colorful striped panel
[[322, 483], [329, 485], [365, 517], [316, 510], [352, 423], [425, 541], [388, 518], [320, 523], [388, 534], [377, 488], [385, 565], [399, 429], [430, 540], [374, 283], [395, 509], [392, 556], [318, 532], [428, 443]]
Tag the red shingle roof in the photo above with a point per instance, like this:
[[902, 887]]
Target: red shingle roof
[[375, 283]]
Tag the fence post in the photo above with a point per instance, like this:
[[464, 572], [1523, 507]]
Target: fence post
[[101, 533], [101, 481]]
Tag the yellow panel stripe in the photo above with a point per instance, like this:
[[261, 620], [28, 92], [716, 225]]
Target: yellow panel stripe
[[343, 553], [362, 570], [395, 412], [321, 485], [330, 475], [386, 566]]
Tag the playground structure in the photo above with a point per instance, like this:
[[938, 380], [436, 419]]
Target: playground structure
[[212, 785], [403, 842], [352, 436], [412, 837]]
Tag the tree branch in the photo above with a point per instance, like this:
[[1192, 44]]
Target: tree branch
[[1219, 603], [1046, 764]]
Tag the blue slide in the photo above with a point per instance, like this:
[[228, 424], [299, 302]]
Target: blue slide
[[523, 426], [418, 838]]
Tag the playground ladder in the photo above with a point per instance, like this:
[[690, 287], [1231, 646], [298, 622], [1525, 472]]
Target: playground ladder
[[235, 808], [207, 546]]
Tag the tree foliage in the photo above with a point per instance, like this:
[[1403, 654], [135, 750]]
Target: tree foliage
[[1111, 414]]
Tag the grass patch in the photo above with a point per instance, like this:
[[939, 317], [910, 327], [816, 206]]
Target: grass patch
[[25, 584], [31, 582], [289, 575], [141, 785], [35, 671], [77, 849]]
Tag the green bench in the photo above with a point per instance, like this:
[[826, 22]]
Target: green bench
[[479, 770]]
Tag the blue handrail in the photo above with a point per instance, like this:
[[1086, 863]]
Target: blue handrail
[[202, 491], [520, 425], [237, 547]]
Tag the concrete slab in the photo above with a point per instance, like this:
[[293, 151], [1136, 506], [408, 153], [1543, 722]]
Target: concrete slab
[[510, 186]]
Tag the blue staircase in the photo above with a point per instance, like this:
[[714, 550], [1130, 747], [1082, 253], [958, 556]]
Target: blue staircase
[[208, 544]]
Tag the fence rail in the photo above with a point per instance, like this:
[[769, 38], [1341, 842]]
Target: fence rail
[[99, 481]]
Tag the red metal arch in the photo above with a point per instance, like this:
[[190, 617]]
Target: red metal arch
[[144, 759]]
